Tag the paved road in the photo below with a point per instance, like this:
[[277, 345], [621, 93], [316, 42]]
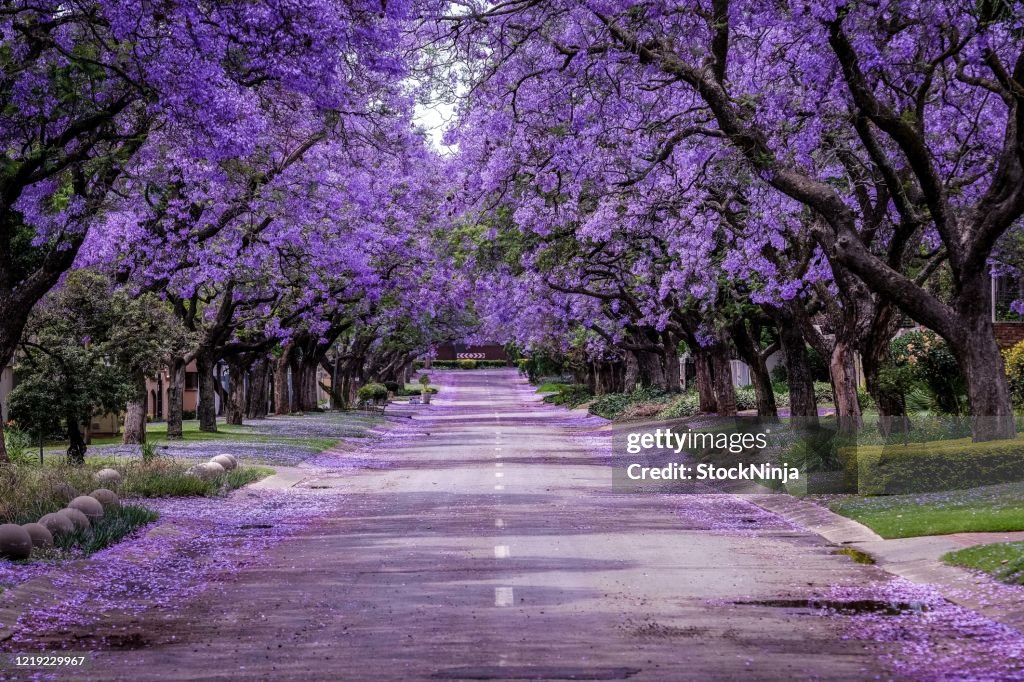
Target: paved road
[[495, 548]]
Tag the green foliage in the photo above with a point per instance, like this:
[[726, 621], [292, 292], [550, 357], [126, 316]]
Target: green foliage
[[115, 525], [148, 452], [372, 392], [1014, 359], [931, 364], [822, 392], [569, 395], [613, 405], [392, 386], [934, 465], [468, 364], [424, 379], [686, 405], [86, 347], [18, 444]]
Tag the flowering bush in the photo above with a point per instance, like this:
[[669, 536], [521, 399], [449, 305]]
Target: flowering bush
[[1014, 359], [932, 365]]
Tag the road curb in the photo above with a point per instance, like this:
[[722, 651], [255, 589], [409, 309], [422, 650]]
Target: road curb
[[916, 559]]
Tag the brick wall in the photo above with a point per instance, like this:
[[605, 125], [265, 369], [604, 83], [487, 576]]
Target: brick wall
[[1008, 333]]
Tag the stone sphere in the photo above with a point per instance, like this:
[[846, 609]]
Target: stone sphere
[[108, 498], [229, 456], [110, 476], [206, 471], [41, 536], [80, 520], [15, 542], [89, 506], [213, 469], [226, 461], [64, 492], [57, 524]]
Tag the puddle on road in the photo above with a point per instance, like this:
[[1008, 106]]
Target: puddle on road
[[251, 526], [850, 608]]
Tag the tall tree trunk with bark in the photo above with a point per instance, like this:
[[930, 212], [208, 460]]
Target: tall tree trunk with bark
[[756, 359], [256, 399], [725, 392], [282, 397], [207, 411], [234, 406], [802, 404], [843, 372], [176, 399], [632, 374], [135, 413], [706, 396]]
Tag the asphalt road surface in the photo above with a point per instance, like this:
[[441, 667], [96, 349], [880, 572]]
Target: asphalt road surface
[[490, 545]]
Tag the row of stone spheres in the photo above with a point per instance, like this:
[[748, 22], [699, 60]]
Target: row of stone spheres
[[17, 542]]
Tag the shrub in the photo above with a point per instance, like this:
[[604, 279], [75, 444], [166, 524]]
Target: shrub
[[18, 444], [1014, 358], [933, 365], [935, 465], [613, 405], [822, 392], [467, 364], [392, 386], [746, 398], [372, 392], [424, 380], [569, 395], [685, 405]]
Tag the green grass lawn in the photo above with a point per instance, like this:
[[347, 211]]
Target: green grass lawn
[[996, 508], [156, 433], [550, 387], [1003, 560]]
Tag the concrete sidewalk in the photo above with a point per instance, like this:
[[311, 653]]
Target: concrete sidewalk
[[917, 559]]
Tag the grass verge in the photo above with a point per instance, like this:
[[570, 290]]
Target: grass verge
[[1004, 561], [28, 491], [997, 508]]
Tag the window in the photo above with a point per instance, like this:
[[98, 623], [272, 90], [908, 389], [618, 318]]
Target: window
[[191, 381]]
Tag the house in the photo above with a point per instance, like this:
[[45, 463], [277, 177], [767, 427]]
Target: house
[[158, 389]]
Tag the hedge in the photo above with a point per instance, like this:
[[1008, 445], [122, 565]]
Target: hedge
[[934, 466], [462, 364]]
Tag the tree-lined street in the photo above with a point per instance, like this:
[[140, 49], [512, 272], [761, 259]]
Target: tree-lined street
[[497, 549]]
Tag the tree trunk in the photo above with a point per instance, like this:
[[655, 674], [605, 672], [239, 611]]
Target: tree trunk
[[652, 372], [282, 401], [632, 377], [725, 392], [707, 400], [77, 446], [843, 372], [4, 457], [233, 406], [309, 386], [176, 399], [256, 400], [207, 392], [802, 404], [759, 375], [295, 397], [135, 413], [987, 389]]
